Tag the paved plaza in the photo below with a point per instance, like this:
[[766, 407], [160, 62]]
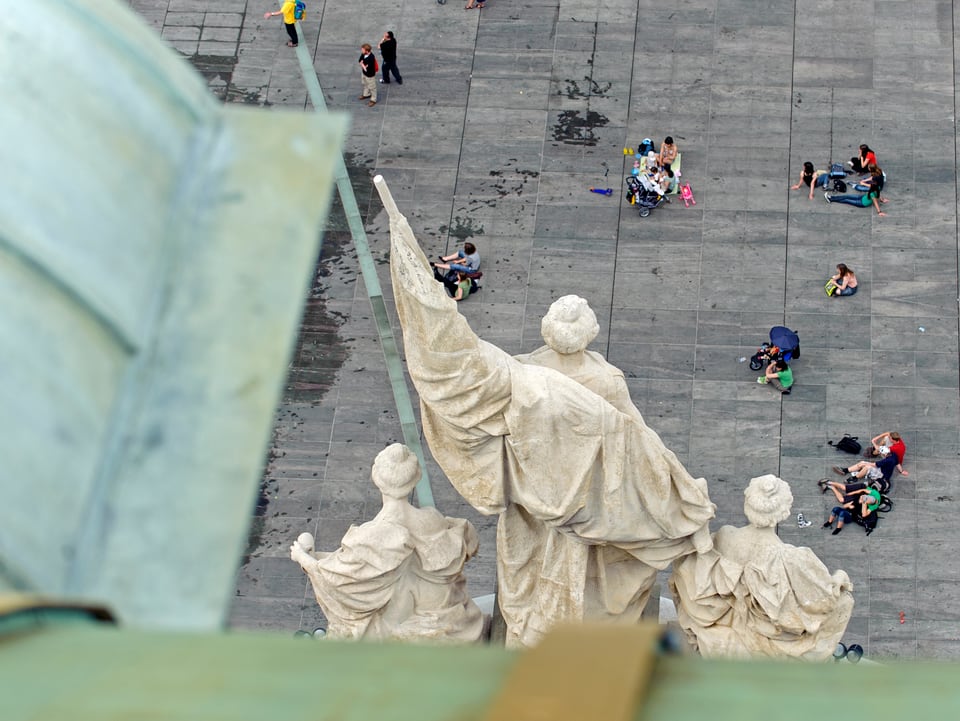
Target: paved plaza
[[506, 117]]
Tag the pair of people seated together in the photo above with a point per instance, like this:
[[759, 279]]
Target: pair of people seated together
[[880, 471], [856, 500], [459, 267], [888, 447]]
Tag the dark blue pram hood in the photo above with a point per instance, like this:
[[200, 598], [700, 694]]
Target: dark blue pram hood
[[784, 338]]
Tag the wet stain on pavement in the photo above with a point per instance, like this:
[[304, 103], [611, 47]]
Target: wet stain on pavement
[[572, 128], [512, 181], [317, 360], [462, 228], [593, 89], [217, 70]]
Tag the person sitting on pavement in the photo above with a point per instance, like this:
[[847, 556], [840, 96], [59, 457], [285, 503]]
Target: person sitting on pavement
[[462, 291], [875, 179], [668, 152], [881, 471], [892, 442], [469, 255], [669, 181], [855, 499], [841, 514], [812, 178], [865, 159], [457, 283], [778, 374], [844, 282]]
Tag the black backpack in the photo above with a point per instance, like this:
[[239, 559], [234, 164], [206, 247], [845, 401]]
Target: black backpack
[[645, 146], [847, 444]]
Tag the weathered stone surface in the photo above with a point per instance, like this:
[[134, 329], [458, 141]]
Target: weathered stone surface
[[592, 503], [400, 576], [754, 595]]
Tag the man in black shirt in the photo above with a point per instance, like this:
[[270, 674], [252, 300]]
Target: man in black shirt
[[388, 51], [368, 74]]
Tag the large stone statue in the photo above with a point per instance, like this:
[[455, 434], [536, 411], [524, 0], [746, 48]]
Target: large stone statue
[[589, 496], [755, 595], [597, 581], [399, 576]]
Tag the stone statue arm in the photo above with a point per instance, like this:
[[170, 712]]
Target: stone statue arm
[[503, 431], [471, 540]]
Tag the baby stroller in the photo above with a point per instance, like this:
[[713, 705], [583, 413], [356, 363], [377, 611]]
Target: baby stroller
[[784, 345], [646, 199]]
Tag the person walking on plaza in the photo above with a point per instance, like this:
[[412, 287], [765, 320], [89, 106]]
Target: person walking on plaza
[[368, 74], [388, 53], [289, 21]]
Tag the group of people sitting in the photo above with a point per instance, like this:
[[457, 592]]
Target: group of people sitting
[[870, 183], [462, 271], [659, 172], [860, 494]]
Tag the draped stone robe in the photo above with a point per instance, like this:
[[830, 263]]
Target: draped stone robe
[[589, 495]]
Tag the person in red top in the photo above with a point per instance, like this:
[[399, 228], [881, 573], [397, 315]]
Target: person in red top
[[894, 443], [861, 162]]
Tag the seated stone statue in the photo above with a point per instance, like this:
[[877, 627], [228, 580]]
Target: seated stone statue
[[399, 576], [754, 595], [563, 578]]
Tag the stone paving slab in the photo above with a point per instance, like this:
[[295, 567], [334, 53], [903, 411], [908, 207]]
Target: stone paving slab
[[505, 118]]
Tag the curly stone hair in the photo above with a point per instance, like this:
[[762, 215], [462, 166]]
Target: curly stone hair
[[570, 325], [396, 471], [767, 501]]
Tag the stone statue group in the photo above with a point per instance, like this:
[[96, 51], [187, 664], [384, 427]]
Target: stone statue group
[[591, 503]]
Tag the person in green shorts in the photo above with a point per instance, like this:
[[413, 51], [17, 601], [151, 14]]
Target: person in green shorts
[[779, 374]]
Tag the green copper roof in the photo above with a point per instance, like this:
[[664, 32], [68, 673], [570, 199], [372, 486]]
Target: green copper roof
[[155, 248]]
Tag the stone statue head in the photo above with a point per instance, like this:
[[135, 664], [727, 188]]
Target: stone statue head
[[767, 501], [570, 325], [396, 471]]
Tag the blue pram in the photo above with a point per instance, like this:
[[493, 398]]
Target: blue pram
[[784, 345]]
